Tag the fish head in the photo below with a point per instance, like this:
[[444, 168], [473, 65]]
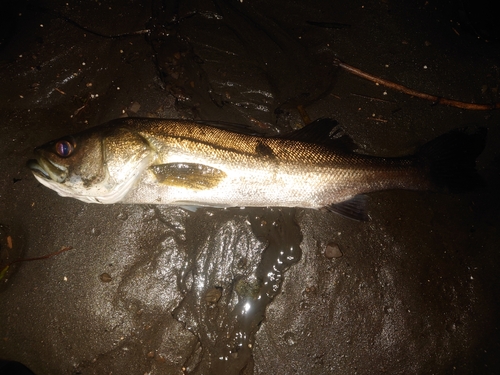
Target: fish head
[[96, 166]]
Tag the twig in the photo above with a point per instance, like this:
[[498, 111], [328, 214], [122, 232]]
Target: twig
[[372, 98], [418, 94], [4, 270], [62, 250], [303, 114], [378, 119]]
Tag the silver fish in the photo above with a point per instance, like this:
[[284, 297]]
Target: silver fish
[[185, 163]]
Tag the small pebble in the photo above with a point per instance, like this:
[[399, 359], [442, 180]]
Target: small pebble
[[333, 251], [122, 216], [213, 295], [134, 107], [105, 277]]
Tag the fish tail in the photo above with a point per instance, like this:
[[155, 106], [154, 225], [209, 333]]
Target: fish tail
[[451, 159]]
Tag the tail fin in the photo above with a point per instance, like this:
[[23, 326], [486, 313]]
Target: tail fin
[[452, 159]]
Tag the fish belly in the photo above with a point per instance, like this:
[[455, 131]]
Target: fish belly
[[242, 187]]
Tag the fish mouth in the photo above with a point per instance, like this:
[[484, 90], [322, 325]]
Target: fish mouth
[[47, 169]]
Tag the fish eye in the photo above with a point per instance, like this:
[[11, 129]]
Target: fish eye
[[64, 148]]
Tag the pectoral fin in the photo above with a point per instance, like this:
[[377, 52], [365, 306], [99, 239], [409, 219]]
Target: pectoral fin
[[188, 175]]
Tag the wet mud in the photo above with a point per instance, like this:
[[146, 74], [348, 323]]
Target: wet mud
[[160, 290]]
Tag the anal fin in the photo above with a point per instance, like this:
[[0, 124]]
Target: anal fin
[[353, 208]]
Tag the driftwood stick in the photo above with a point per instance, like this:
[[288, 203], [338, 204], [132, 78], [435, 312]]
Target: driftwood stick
[[434, 99]]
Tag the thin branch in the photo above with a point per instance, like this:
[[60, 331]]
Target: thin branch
[[418, 94], [372, 98], [62, 250], [303, 114], [4, 270]]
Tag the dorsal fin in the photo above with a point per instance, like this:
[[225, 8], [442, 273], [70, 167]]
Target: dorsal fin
[[323, 131]]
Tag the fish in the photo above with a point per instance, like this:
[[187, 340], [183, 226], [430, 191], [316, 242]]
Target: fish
[[197, 164]]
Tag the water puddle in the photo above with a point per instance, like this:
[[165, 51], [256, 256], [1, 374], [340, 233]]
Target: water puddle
[[233, 276]]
